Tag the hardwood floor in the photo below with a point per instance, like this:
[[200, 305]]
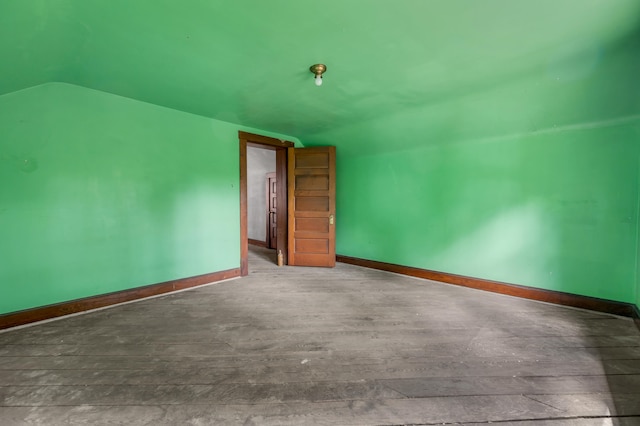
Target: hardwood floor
[[309, 346]]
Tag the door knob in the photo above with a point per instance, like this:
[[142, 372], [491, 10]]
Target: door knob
[[330, 219]]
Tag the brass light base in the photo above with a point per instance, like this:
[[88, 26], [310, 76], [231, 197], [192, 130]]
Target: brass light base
[[318, 69]]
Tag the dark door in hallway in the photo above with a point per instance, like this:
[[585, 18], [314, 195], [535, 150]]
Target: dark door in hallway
[[272, 222], [312, 206]]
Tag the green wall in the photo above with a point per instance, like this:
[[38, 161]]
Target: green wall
[[529, 180], [638, 243], [102, 193], [555, 211]]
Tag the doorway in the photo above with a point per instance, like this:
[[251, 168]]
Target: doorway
[[305, 191], [280, 147]]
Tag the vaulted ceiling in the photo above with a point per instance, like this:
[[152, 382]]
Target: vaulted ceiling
[[246, 61]]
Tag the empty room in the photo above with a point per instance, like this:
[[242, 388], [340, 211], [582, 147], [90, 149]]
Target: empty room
[[297, 212]]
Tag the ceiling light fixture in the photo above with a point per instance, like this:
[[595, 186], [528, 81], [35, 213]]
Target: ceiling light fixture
[[318, 70]]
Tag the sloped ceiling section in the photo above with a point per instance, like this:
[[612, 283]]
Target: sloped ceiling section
[[34, 43], [247, 61]]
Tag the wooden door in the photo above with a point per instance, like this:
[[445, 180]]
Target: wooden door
[[272, 218], [312, 206]]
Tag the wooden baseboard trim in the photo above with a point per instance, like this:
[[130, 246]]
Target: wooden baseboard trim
[[14, 319], [549, 296], [636, 316], [257, 243]]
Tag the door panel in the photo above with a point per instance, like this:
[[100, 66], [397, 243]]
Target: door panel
[[308, 245], [272, 217], [312, 224], [312, 206], [312, 160], [313, 183]]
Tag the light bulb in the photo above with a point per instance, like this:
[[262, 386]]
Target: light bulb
[[318, 80]]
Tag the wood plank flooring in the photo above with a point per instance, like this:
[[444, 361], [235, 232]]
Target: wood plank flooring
[[309, 346]]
